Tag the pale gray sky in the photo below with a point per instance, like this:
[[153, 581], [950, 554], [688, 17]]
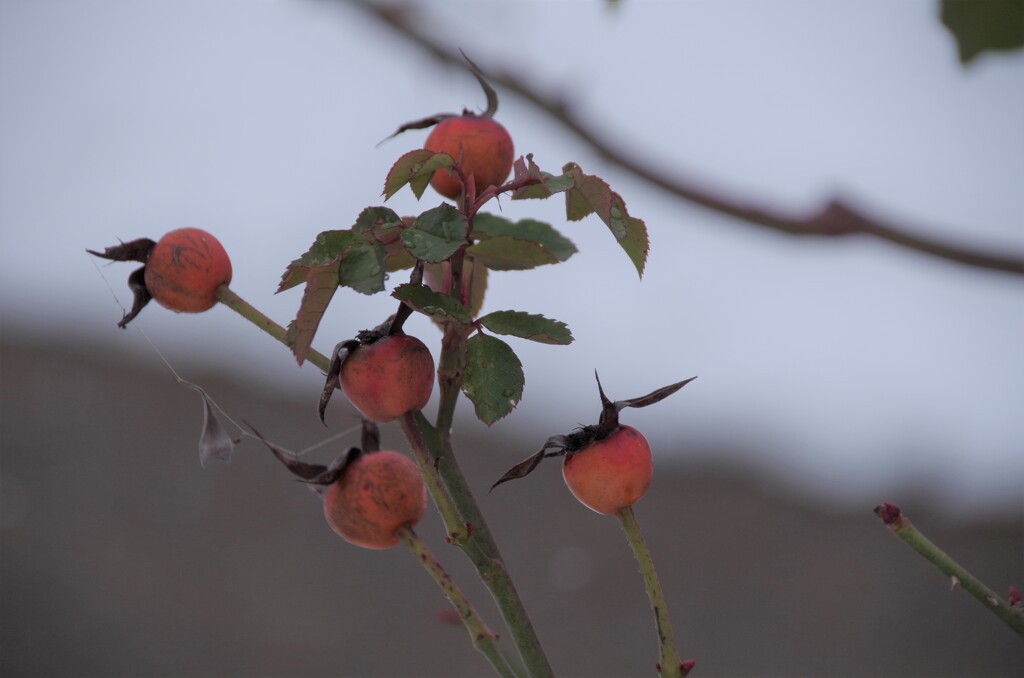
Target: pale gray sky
[[846, 367]]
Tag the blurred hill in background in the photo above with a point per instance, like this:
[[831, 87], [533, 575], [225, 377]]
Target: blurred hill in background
[[122, 556]]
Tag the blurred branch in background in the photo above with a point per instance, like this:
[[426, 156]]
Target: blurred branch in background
[[835, 218]]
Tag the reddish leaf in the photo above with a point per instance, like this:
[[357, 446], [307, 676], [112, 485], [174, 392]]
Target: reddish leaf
[[321, 282], [591, 195]]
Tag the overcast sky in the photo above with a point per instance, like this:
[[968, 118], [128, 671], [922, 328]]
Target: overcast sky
[[843, 367]]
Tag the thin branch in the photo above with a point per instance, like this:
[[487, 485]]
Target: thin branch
[[893, 518], [483, 638], [669, 665], [835, 218], [243, 308]]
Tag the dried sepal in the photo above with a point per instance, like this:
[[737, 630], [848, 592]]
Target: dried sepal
[[214, 442], [422, 123], [653, 396], [430, 121], [524, 468], [583, 437], [610, 410], [333, 380], [317, 476], [133, 250], [390, 327], [140, 296], [492, 96]]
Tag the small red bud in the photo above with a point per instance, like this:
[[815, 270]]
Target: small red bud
[[888, 512], [687, 666], [1014, 597]]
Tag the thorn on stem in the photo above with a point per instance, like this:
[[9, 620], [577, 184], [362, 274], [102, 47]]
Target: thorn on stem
[[1014, 598], [687, 666], [954, 582]]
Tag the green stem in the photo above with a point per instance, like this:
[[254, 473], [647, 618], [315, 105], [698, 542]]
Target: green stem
[[453, 523], [243, 308], [484, 640], [668, 657], [452, 363], [905, 530], [480, 547]]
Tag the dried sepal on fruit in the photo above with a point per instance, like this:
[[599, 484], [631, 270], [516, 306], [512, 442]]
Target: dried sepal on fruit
[[369, 495], [481, 147], [182, 271], [384, 372], [607, 465]]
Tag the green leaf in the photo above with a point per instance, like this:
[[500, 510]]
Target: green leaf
[[528, 326], [431, 303], [396, 257], [342, 257], [326, 249], [508, 254], [415, 168], [490, 226], [362, 268], [631, 234], [548, 186], [437, 234], [588, 194], [474, 284], [981, 26], [493, 380], [592, 195], [374, 220], [321, 283]]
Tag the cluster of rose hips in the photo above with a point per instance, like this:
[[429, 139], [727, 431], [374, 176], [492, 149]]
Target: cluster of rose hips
[[371, 496]]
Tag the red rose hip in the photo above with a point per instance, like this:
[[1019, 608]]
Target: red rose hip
[[481, 147], [611, 473], [378, 494], [388, 378], [184, 270]]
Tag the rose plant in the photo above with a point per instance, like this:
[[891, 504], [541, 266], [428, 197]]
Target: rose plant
[[374, 498]]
